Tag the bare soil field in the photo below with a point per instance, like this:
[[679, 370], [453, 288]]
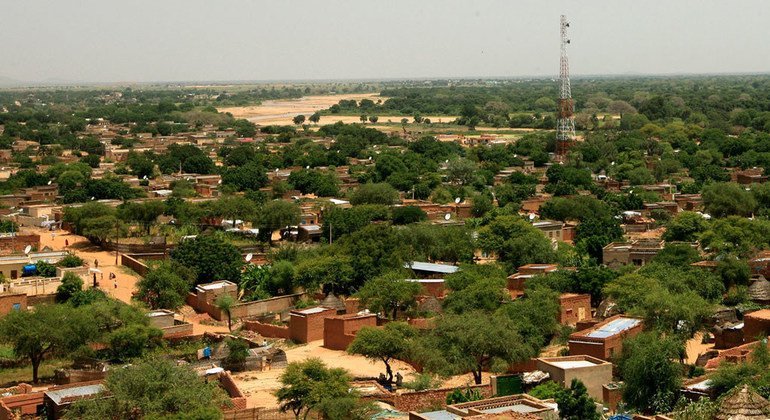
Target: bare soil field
[[281, 112]]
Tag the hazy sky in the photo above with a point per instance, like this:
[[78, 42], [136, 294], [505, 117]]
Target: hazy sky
[[186, 40]]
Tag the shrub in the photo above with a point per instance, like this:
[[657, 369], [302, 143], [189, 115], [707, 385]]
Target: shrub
[[421, 382], [460, 396], [70, 261], [238, 351], [70, 285], [546, 390], [45, 269]]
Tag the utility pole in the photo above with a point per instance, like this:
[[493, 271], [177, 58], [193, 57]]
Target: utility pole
[[565, 126]]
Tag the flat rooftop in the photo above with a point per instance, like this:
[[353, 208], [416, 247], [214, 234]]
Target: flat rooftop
[[215, 285], [614, 327], [310, 311], [432, 267], [572, 364], [79, 391]]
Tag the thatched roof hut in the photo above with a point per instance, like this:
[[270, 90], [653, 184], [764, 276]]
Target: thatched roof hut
[[334, 302], [743, 404], [759, 290]]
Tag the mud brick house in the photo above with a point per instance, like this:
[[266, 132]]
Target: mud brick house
[[12, 302], [760, 264], [641, 252], [206, 294], [339, 331], [605, 339], [307, 325], [593, 372], [518, 406], [574, 308], [431, 287], [756, 324], [749, 176], [517, 281], [164, 321]]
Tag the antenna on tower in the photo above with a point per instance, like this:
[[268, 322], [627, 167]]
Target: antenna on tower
[[565, 126]]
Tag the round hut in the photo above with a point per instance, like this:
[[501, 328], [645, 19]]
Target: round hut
[[759, 290], [743, 404]]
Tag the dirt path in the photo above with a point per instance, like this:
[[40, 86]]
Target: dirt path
[[125, 279]]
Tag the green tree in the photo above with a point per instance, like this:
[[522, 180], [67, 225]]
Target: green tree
[[405, 215], [211, 258], [298, 120], [237, 352], [310, 385], [71, 283], [314, 118], [515, 242], [472, 342], [277, 214], [575, 403], [46, 330], [383, 344], [153, 388], [131, 341], [685, 227], [165, 286], [389, 293], [727, 198], [380, 193], [373, 119], [652, 377], [225, 304]]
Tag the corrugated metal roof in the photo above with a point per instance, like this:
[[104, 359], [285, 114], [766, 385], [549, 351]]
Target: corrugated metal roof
[[431, 267]]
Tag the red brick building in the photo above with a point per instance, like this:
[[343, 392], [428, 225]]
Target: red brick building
[[517, 281], [605, 339], [340, 330], [431, 287], [307, 325], [574, 308], [12, 302]]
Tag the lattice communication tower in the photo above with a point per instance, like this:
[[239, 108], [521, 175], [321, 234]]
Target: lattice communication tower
[[565, 125]]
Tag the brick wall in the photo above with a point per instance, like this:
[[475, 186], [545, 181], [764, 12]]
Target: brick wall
[[339, 331], [753, 326], [237, 398], [9, 301], [574, 308], [18, 243], [262, 307], [415, 401], [304, 328], [266, 330]]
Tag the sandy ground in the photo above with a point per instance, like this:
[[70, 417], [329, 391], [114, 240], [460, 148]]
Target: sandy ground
[[281, 112], [695, 347], [260, 386], [125, 279]]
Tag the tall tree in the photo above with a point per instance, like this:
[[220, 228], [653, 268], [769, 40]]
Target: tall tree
[[153, 388], [652, 376], [575, 403], [472, 342], [383, 344], [211, 258], [389, 293]]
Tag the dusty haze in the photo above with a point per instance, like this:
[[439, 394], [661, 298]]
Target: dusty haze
[[187, 40]]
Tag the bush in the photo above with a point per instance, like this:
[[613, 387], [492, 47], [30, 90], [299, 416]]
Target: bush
[[421, 382], [238, 351], [408, 214], [132, 340], [546, 390], [70, 261], [70, 285], [45, 269], [460, 396]]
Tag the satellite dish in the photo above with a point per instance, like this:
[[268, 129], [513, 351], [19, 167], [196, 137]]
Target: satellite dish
[[446, 161], [93, 198], [144, 177], [27, 249], [457, 200], [532, 216], [219, 182], [308, 166], [447, 216], [49, 182], [613, 163], [249, 256], [276, 169], [370, 158], [515, 155]]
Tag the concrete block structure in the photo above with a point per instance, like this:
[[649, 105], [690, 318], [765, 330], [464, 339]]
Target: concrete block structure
[[640, 252], [574, 308], [517, 281], [339, 331], [593, 372], [307, 325], [605, 339]]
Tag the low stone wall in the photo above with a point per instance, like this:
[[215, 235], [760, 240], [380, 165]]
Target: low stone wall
[[136, 248], [236, 396], [134, 261], [179, 329], [267, 330], [68, 376], [34, 286], [415, 401], [48, 299], [266, 306], [260, 413]]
